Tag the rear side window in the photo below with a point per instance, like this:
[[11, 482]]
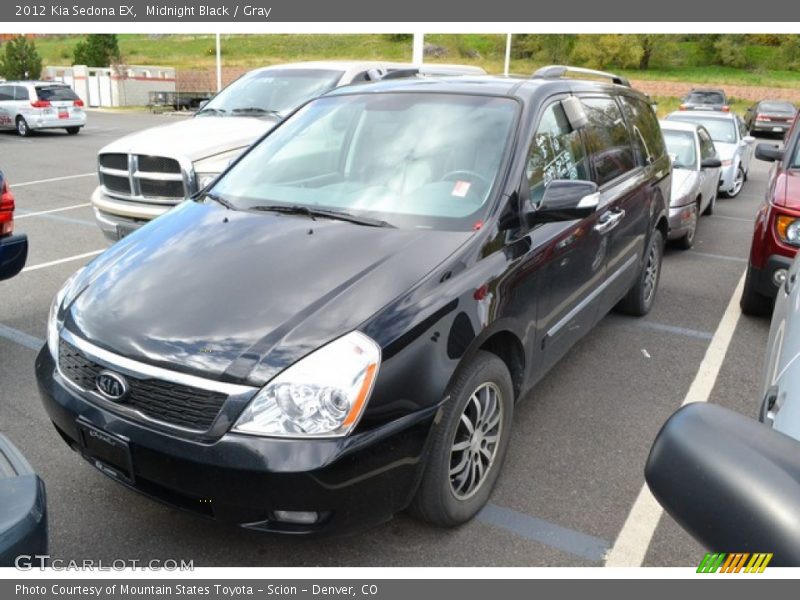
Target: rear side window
[[607, 139], [56, 93], [647, 137], [6, 92], [21, 93], [556, 152]]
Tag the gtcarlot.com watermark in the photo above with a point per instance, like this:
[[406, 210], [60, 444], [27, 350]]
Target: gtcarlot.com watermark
[[26, 562]]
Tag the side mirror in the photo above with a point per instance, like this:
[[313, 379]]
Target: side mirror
[[576, 114], [748, 139], [729, 481], [711, 163], [564, 200], [769, 152], [202, 104]]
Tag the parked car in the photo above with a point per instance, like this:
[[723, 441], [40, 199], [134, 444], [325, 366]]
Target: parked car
[[144, 174], [13, 248], [29, 106], [338, 327], [695, 178], [734, 146], [776, 235], [770, 116], [705, 99], [780, 400], [730, 482], [23, 507]]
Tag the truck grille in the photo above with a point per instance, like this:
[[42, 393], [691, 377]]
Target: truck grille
[[144, 178], [165, 401]]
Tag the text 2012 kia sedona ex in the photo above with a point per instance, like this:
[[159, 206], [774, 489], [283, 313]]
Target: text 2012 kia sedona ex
[[339, 327]]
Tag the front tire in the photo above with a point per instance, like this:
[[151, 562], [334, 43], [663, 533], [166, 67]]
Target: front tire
[[752, 302], [687, 241], [469, 443], [22, 127], [639, 299], [738, 183]]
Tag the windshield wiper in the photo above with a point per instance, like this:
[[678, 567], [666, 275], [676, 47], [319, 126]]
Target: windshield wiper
[[211, 111], [257, 109], [219, 199], [296, 209]]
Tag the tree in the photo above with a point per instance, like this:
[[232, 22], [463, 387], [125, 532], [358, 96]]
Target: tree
[[731, 51], [609, 50], [97, 50], [20, 59], [790, 51]]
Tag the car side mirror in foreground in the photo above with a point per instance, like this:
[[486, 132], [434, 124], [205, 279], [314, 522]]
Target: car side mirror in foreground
[[711, 163], [564, 200], [729, 481], [748, 139], [769, 152]]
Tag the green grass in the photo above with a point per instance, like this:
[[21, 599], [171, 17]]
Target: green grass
[[672, 62]]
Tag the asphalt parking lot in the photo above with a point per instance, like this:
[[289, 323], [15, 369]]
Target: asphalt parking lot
[[574, 469]]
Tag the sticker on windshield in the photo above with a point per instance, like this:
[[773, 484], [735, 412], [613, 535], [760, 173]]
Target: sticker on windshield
[[461, 189]]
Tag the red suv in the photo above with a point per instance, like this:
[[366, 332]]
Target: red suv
[[776, 238], [13, 248]]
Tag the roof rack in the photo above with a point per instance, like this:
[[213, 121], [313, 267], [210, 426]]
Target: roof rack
[[556, 71]]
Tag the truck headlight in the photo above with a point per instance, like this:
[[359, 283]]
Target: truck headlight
[[322, 395], [55, 320], [788, 229]]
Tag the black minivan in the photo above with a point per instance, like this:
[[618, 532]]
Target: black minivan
[[338, 328]]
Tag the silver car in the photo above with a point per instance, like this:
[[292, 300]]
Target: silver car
[[695, 178], [734, 146], [28, 106], [780, 390]]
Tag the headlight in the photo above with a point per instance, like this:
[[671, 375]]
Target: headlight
[[209, 168], [788, 229], [322, 395], [55, 321]]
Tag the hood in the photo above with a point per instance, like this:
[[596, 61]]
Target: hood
[[683, 182], [240, 296], [725, 151], [194, 138]]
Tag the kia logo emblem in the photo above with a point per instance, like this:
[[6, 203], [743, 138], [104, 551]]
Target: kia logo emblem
[[111, 386]]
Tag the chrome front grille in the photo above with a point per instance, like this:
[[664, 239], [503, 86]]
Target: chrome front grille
[[145, 178]]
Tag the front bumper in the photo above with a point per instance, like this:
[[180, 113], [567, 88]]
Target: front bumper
[[352, 483], [116, 217], [763, 278], [679, 221], [727, 176], [13, 254]]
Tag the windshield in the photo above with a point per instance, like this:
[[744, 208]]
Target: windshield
[[272, 91], [721, 130], [779, 107], [681, 146], [705, 98], [413, 160]]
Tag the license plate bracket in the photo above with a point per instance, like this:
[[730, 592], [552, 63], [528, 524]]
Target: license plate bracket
[[109, 453]]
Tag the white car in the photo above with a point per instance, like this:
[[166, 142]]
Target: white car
[[145, 174], [695, 178], [28, 106], [734, 146]]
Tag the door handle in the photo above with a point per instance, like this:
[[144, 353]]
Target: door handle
[[609, 220]]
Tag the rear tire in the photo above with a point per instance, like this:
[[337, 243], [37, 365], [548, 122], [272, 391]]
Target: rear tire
[[73, 130], [752, 302], [639, 299], [467, 452], [22, 127]]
